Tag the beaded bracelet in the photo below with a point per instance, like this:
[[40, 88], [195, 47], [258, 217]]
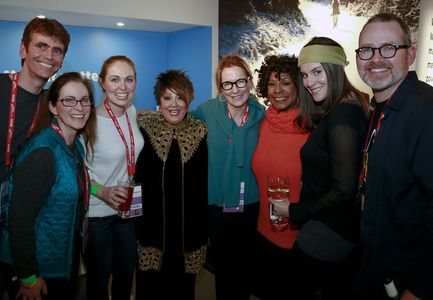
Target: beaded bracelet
[[94, 189]]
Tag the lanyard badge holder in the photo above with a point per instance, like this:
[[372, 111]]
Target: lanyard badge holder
[[4, 187], [133, 203], [240, 207]]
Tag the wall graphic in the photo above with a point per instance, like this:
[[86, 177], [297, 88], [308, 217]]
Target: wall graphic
[[256, 28]]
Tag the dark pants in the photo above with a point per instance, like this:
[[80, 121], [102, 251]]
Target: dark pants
[[65, 288], [333, 279], [60, 288], [369, 283], [275, 268], [111, 249], [233, 238], [373, 293], [155, 285]]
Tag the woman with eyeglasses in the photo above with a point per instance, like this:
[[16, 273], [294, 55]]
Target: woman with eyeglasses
[[50, 193], [233, 119], [111, 248], [325, 251]]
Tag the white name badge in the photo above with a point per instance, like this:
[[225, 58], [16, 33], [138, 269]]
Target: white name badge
[[240, 207]]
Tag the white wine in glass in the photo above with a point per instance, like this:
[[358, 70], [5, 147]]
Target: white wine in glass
[[278, 189]]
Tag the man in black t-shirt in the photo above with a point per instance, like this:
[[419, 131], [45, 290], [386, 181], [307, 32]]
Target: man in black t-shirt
[[397, 207], [43, 47]]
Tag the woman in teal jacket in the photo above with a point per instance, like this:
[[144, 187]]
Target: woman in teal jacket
[[233, 120], [49, 193]]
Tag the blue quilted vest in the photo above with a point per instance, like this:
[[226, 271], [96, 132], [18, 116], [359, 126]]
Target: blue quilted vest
[[55, 223]]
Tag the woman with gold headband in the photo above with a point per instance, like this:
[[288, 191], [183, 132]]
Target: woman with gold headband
[[325, 251]]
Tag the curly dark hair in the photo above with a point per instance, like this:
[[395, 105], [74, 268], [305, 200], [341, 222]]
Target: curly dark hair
[[276, 63]]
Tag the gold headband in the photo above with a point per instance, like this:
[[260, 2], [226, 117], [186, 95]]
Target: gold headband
[[323, 54]]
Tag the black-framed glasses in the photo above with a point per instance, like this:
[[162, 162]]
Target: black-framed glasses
[[240, 83], [71, 101], [386, 51]]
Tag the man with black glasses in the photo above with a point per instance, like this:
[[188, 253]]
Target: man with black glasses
[[397, 177]]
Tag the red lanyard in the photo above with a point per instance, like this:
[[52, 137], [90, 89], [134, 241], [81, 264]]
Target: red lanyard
[[245, 117], [130, 158], [85, 186], [11, 120], [371, 137]]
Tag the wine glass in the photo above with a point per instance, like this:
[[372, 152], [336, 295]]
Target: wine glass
[[278, 190]]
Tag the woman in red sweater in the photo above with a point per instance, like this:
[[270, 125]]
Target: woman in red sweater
[[277, 153]]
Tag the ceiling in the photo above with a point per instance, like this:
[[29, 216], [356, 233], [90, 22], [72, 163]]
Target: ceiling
[[23, 14]]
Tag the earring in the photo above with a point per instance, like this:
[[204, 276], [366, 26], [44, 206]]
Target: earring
[[220, 97]]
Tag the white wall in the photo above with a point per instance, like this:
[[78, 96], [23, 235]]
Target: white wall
[[424, 61], [195, 12]]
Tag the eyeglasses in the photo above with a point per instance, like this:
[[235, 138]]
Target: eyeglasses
[[71, 101], [240, 83], [386, 51]]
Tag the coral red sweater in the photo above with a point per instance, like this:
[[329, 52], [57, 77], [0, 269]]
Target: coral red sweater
[[278, 152]]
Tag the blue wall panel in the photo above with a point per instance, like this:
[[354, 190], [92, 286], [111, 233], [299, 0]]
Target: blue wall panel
[[191, 51], [152, 53]]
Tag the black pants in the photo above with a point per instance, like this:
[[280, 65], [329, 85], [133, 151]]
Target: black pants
[[62, 288], [275, 268], [368, 283], [233, 239], [156, 285], [8, 281], [111, 249]]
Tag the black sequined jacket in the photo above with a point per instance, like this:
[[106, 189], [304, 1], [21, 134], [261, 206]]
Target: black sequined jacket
[[172, 170]]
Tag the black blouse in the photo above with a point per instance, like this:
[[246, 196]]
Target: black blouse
[[331, 163]]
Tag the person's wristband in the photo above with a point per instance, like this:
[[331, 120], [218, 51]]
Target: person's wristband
[[29, 281], [94, 189]]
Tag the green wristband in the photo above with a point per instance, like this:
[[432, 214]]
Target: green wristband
[[94, 189], [29, 280]]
